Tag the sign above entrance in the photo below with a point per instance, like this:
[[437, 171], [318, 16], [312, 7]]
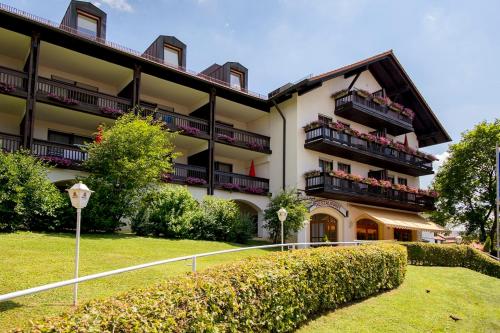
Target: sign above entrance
[[331, 204]]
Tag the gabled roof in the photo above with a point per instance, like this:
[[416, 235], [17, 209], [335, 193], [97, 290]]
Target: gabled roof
[[391, 75]]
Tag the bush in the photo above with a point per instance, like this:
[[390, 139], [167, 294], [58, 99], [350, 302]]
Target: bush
[[28, 200], [297, 213], [165, 211], [242, 230], [273, 293], [130, 158], [487, 245], [425, 254]]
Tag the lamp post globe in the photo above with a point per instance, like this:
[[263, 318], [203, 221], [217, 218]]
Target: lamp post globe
[[79, 195], [282, 214]]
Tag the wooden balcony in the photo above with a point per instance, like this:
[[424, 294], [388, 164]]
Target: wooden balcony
[[13, 82], [332, 187], [243, 139], [188, 174], [371, 114], [241, 183], [186, 125], [9, 143], [76, 98], [329, 141]]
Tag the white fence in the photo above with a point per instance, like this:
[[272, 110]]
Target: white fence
[[193, 259]]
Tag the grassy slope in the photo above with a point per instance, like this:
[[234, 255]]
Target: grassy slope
[[471, 296], [31, 259]]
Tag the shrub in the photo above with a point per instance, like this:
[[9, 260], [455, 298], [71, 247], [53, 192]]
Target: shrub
[[215, 219], [165, 211], [297, 213], [452, 256], [487, 245], [273, 293], [131, 157], [242, 229], [28, 200]]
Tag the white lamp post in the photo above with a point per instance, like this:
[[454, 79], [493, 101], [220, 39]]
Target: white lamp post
[[282, 214], [79, 195]]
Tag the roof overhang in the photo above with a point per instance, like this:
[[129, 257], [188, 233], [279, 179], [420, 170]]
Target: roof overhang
[[390, 74]]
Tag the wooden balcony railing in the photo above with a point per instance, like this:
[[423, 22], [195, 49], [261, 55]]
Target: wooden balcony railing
[[241, 183], [352, 147], [241, 138], [12, 81], [58, 153], [9, 143], [345, 189], [366, 112], [188, 174], [82, 99], [187, 125]]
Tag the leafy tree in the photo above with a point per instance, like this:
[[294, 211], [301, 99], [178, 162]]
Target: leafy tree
[[487, 245], [165, 211], [466, 182], [131, 157], [297, 213], [28, 200]]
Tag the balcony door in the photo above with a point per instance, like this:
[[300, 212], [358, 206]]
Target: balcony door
[[367, 230], [322, 225]]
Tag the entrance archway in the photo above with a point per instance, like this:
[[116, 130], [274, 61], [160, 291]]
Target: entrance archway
[[367, 230], [322, 227]]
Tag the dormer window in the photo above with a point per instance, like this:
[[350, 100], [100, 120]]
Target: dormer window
[[172, 55], [87, 24], [236, 79]]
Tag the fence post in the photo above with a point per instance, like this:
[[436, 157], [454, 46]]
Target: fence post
[[193, 265]]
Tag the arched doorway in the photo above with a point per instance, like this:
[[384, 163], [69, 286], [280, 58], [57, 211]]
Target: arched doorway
[[250, 210], [366, 230], [322, 225]]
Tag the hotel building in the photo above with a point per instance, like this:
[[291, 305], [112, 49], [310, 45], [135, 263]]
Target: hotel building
[[348, 139]]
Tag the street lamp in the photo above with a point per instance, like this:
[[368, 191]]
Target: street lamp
[[79, 195], [282, 213]]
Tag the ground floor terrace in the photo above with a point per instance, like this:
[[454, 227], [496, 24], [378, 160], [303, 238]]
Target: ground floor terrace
[[337, 221]]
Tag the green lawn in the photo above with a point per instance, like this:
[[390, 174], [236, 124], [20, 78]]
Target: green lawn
[[31, 259], [468, 295]]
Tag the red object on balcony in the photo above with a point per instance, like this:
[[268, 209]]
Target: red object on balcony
[[252, 170], [98, 137], [406, 141]]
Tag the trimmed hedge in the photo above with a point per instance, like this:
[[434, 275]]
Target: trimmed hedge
[[276, 292], [451, 255]]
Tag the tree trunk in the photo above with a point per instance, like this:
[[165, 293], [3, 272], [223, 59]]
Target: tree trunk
[[493, 231], [482, 229]]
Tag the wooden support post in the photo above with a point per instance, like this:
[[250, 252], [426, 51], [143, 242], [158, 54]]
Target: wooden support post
[[28, 121], [136, 86], [211, 141]]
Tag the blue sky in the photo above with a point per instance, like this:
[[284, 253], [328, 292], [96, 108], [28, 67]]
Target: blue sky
[[450, 48]]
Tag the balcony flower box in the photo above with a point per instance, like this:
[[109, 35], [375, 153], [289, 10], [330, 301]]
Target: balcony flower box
[[408, 112], [62, 99], [7, 88], [312, 173], [311, 125], [340, 94], [195, 181], [385, 184], [396, 107], [255, 190], [111, 111], [58, 161], [189, 130], [166, 177], [227, 138], [371, 181], [231, 187], [384, 101], [363, 93], [337, 126], [255, 146]]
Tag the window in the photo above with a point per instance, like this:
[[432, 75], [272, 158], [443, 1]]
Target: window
[[325, 166], [88, 24], [66, 138], [366, 230], [402, 235], [236, 79], [323, 227], [172, 55], [224, 167], [344, 167], [402, 181], [324, 119]]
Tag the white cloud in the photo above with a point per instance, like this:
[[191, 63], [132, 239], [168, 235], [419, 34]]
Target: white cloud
[[441, 159], [121, 5]]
